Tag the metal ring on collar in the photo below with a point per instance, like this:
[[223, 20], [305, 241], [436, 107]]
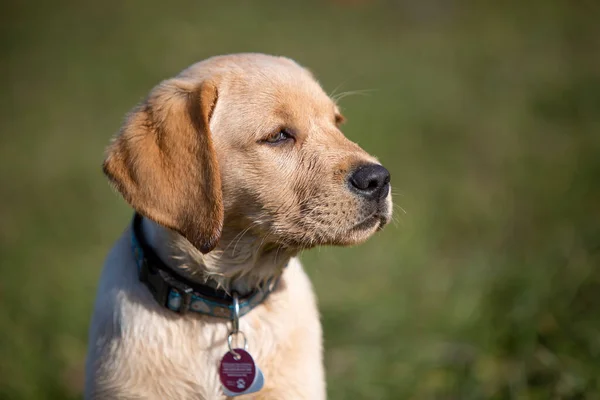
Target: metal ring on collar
[[236, 313], [230, 343]]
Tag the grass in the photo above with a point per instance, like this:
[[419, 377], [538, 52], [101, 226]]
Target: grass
[[486, 115]]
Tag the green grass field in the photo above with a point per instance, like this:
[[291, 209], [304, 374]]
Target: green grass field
[[487, 114]]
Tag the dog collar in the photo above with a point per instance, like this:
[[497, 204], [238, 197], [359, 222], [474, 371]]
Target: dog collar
[[181, 295]]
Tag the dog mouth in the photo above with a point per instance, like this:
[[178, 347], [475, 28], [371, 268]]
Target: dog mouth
[[379, 218], [368, 223]]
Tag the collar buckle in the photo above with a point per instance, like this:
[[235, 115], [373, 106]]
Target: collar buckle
[[154, 281], [181, 290]]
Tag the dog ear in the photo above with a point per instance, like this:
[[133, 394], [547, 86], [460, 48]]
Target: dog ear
[[164, 164]]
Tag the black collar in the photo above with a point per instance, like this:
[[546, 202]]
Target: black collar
[[180, 294]]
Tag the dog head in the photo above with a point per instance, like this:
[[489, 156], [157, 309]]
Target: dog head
[[248, 142]]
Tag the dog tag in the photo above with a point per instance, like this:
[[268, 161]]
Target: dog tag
[[240, 376]]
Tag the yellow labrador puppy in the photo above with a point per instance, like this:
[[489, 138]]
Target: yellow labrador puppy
[[232, 167]]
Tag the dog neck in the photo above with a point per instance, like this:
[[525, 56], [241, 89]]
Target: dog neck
[[241, 262]]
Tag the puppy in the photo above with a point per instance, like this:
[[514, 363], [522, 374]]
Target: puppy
[[232, 167]]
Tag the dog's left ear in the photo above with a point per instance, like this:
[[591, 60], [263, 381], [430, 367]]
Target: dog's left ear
[[164, 164]]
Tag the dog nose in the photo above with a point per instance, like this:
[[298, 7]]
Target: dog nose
[[371, 181]]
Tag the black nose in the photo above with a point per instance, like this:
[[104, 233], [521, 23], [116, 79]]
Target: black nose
[[371, 181]]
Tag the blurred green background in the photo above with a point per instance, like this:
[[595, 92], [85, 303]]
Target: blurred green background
[[486, 113]]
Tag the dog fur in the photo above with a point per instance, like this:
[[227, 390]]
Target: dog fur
[[229, 203]]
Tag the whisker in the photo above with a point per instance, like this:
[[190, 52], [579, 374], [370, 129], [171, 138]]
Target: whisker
[[336, 89], [341, 95], [240, 236], [398, 206]]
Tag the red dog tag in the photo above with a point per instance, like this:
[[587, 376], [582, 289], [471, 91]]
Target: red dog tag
[[237, 375]]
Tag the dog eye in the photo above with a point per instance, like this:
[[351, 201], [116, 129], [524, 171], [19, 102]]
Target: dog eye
[[279, 137]]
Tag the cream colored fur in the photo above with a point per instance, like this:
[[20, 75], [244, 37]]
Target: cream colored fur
[[276, 201]]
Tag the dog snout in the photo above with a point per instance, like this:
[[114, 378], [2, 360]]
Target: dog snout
[[370, 181]]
